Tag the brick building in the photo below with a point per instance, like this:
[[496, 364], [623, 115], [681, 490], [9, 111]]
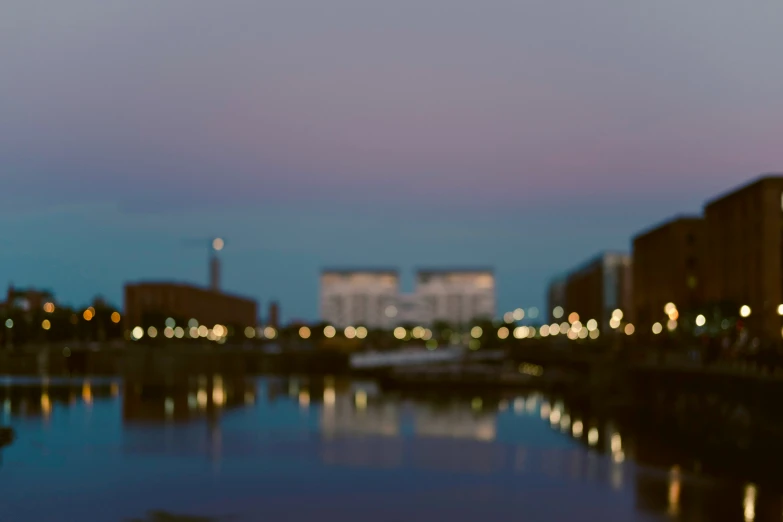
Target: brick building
[[744, 232], [600, 286], [150, 304], [668, 266], [556, 296]]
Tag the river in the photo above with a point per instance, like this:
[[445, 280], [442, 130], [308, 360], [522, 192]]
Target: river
[[329, 449]]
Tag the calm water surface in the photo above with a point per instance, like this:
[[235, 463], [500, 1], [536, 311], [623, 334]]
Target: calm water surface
[[320, 449]]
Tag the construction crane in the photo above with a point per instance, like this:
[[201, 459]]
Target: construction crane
[[214, 245]]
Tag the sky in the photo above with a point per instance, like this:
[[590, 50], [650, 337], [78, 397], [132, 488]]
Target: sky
[[527, 135]]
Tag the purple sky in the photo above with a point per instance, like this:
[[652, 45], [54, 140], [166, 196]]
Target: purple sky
[[524, 134]]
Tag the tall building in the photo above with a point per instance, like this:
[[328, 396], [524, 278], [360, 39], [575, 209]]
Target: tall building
[[744, 231], [359, 297], [411, 309], [598, 287], [150, 304], [668, 265], [457, 296], [556, 297]]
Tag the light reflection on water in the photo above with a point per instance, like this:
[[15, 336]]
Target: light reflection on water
[[294, 448]]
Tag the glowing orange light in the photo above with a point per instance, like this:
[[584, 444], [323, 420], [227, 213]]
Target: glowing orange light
[[87, 392], [46, 404], [115, 317], [87, 315]]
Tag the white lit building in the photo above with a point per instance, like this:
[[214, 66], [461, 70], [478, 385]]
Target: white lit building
[[411, 309], [459, 296], [364, 297]]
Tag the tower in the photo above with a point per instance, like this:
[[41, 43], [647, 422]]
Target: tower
[[214, 273], [214, 264]]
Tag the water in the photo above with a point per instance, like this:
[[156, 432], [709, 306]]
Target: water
[[319, 449]]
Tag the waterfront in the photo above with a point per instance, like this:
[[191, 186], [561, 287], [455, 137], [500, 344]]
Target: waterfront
[[333, 449]]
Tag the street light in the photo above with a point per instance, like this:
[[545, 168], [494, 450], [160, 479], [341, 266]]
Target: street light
[[745, 311]]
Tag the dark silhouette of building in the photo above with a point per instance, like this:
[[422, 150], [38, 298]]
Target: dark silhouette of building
[[744, 231], [600, 286], [27, 299], [556, 296], [668, 264], [150, 304]]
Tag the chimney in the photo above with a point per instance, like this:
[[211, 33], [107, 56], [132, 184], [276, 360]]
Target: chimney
[[214, 273]]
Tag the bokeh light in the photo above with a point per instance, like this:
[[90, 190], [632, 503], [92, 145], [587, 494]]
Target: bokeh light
[[137, 333]]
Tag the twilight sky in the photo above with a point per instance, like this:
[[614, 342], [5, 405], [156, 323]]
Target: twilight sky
[[524, 134]]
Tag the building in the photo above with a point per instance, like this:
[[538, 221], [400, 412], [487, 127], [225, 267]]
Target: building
[[27, 299], [359, 297], [411, 309], [668, 264], [598, 287], [744, 232], [151, 303], [459, 296], [556, 297]]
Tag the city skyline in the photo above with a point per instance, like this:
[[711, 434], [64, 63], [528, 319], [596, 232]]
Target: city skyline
[[317, 135]]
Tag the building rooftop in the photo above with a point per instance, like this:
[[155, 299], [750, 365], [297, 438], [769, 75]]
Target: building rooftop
[[663, 224], [360, 270], [598, 259], [180, 284], [771, 176], [16, 291], [456, 270]]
